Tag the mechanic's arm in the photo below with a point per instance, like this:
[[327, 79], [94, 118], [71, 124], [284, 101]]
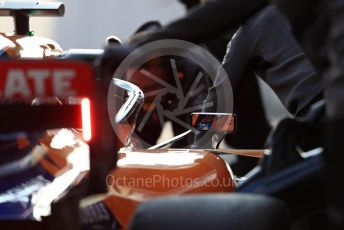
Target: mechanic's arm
[[208, 20], [235, 68]]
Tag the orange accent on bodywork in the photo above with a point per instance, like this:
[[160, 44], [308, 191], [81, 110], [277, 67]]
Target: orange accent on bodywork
[[59, 163], [59, 157], [52, 169], [23, 142], [147, 174], [121, 208], [46, 139]]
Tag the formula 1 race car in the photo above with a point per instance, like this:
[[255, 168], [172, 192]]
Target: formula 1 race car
[[48, 128], [58, 149]]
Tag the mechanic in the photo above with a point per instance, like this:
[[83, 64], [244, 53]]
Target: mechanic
[[216, 13], [249, 97], [318, 26], [222, 15], [278, 58], [265, 46], [213, 12]]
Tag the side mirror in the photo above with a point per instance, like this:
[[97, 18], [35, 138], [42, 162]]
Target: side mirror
[[126, 115], [219, 124], [133, 102], [216, 122]]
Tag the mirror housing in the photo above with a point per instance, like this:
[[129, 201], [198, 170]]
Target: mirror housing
[[219, 124], [133, 102], [125, 118], [216, 122]]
